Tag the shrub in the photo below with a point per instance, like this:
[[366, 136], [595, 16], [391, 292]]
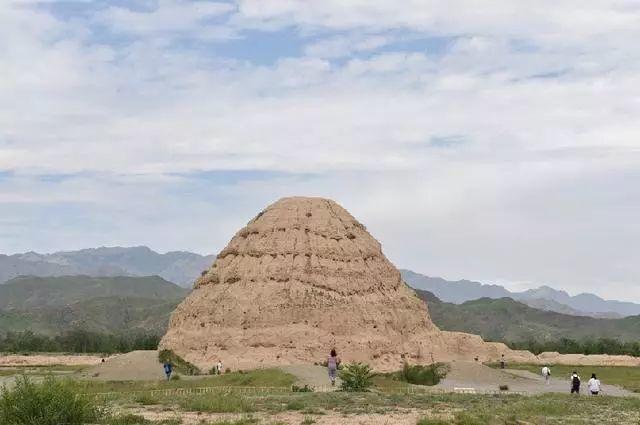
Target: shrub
[[504, 387], [304, 389], [423, 375], [356, 377], [179, 364], [175, 377], [51, 402]]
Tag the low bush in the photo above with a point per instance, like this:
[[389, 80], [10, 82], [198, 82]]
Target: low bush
[[51, 402], [356, 377], [179, 364], [303, 389], [423, 374]]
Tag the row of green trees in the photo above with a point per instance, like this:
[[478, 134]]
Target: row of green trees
[[78, 341], [572, 346]]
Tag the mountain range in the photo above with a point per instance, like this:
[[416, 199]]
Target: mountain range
[[116, 305], [182, 268], [507, 320], [544, 297], [179, 267], [53, 305]]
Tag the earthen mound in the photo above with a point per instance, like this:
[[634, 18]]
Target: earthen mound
[[302, 277]]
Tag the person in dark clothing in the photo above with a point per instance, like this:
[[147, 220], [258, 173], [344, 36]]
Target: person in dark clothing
[[168, 370], [575, 383]]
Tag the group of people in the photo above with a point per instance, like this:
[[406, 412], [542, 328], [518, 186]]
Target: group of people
[[593, 384]]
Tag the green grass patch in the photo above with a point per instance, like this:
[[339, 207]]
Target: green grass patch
[[51, 402], [216, 403]]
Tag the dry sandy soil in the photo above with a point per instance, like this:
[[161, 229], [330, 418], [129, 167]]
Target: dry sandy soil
[[49, 360], [133, 366], [407, 417]]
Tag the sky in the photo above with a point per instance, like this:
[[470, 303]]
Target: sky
[[497, 141]]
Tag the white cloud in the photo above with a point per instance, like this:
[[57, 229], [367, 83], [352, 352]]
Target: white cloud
[[541, 100]]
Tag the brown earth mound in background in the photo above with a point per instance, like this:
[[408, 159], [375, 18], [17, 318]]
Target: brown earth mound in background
[[302, 277]]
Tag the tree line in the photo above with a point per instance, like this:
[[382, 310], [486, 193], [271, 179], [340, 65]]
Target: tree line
[[78, 341], [584, 346]]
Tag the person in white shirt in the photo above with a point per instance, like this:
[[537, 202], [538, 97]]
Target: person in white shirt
[[594, 385], [546, 372], [219, 367]]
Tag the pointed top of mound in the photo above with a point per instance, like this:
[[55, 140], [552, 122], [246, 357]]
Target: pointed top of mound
[[309, 240]]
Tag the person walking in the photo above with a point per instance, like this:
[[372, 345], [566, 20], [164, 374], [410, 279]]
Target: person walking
[[546, 373], [168, 369], [575, 383], [594, 385], [219, 367], [502, 362], [333, 362]]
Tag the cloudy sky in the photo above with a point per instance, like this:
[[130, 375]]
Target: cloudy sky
[[496, 141]]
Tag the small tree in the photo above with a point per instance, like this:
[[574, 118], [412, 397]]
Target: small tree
[[356, 377]]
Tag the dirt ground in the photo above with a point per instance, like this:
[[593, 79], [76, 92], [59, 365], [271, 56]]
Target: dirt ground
[[133, 366], [407, 417], [49, 360]]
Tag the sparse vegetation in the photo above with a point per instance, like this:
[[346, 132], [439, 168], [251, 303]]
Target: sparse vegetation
[[422, 374], [216, 402], [356, 377], [179, 364], [52, 402]]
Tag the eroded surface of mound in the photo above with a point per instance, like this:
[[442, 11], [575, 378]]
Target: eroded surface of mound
[[302, 277]]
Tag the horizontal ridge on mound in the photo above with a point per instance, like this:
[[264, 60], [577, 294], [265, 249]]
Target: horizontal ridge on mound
[[302, 277]]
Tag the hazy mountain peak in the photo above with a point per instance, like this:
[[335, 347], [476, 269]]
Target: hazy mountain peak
[[543, 297], [178, 266]]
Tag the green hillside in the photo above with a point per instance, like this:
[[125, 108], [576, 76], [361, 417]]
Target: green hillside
[[507, 320], [27, 292], [54, 305]]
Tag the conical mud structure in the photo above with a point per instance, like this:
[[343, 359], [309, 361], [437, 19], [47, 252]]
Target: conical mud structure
[[302, 277]]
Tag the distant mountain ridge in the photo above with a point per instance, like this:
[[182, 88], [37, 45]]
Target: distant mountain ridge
[[179, 267], [52, 305], [27, 292], [544, 297], [505, 319]]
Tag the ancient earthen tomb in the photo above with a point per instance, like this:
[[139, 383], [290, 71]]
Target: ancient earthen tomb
[[302, 277]]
